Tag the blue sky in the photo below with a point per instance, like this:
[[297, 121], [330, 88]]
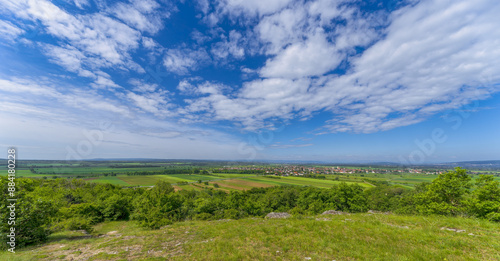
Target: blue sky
[[340, 81]]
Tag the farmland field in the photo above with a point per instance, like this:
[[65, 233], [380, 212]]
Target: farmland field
[[111, 180], [241, 184], [129, 173], [300, 181]]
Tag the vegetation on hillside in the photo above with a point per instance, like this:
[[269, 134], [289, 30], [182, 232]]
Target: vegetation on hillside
[[360, 236], [50, 206]]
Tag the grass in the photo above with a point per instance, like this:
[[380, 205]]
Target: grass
[[21, 173], [233, 175], [301, 181], [150, 180], [110, 179], [338, 237], [242, 184]]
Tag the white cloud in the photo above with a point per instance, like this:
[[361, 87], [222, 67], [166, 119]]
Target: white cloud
[[96, 40], [141, 86], [256, 7], [43, 93], [149, 43], [104, 81], [81, 3], [53, 138], [278, 145], [233, 46], [313, 57], [442, 62], [68, 57], [147, 102], [9, 31], [186, 87], [433, 56], [145, 16], [19, 86], [278, 30], [181, 61], [150, 98], [45, 103], [46, 117]]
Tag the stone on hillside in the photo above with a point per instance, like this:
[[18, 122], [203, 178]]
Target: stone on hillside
[[334, 212], [278, 215], [379, 212]]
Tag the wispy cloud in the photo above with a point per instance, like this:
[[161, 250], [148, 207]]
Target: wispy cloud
[[181, 61], [430, 59], [9, 31], [89, 43], [288, 146], [144, 15]]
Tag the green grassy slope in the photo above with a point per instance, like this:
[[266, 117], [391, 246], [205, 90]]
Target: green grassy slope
[[341, 237]]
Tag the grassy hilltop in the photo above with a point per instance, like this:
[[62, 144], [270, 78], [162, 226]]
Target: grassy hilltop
[[322, 237]]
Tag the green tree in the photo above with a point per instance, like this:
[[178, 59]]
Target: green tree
[[445, 195], [158, 206], [32, 214], [348, 198], [485, 200], [384, 197]]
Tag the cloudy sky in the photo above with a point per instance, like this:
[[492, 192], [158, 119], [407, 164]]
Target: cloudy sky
[[329, 80]]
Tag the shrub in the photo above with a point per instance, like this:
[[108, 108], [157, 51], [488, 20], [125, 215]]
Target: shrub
[[203, 216], [76, 223], [445, 195], [115, 207]]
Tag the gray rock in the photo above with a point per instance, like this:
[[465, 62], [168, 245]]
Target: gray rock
[[334, 212], [278, 215]]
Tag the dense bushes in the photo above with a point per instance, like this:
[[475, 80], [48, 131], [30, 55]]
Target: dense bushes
[[454, 193], [46, 206]]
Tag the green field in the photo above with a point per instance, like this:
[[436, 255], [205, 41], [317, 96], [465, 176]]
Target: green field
[[111, 180], [94, 171], [150, 180], [328, 237], [300, 181]]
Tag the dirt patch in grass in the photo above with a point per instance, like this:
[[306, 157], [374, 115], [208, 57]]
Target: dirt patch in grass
[[223, 184]]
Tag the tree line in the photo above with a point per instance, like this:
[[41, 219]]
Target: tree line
[[48, 206]]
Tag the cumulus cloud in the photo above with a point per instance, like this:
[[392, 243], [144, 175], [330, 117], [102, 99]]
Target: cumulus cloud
[[81, 3], [313, 57], [143, 15], [154, 102], [257, 7], [149, 98], [182, 61], [141, 86], [430, 57], [88, 42], [234, 46], [371, 71]]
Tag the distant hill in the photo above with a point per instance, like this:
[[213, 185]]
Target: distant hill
[[484, 164]]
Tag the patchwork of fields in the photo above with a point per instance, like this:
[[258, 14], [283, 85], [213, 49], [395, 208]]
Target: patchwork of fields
[[132, 174]]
